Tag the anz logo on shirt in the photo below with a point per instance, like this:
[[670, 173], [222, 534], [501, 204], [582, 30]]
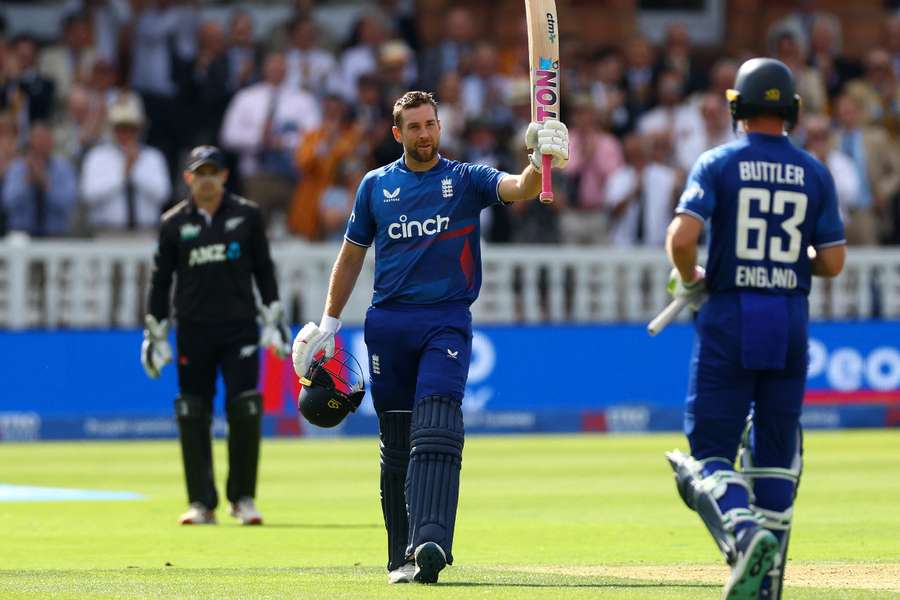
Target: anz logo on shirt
[[214, 253]]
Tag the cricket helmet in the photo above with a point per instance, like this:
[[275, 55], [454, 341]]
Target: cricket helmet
[[764, 86], [332, 388]]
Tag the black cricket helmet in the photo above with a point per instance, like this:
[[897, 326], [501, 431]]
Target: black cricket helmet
[[332, 389], [764, 86]]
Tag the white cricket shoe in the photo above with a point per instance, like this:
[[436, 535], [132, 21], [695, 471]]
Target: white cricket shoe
[[197, 514], [403, 573], [244, 510]]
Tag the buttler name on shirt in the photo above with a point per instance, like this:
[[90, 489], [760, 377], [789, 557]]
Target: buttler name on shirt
[[770, 172]]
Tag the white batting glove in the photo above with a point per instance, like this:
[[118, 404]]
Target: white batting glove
[[155, 349], [274, 333], [693, 291], [550, 137], [311, 340]]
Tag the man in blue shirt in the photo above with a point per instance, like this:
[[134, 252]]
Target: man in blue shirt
[[40, 190], [422, 214], [773, 224]]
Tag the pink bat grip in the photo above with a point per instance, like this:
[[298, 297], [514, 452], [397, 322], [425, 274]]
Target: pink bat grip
[[546, 179]]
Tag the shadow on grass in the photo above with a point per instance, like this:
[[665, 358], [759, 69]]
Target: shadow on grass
[[321, 526], [576, 585]]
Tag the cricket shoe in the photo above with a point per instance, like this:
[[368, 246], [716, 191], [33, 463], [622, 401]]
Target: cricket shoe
[[403, 574], [757, 553], [430, 559], [244, 510], [197, 514]]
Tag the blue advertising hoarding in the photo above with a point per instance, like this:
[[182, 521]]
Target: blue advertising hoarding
[[70, 384]]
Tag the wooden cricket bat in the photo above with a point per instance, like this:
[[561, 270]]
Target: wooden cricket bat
[[543, 46]]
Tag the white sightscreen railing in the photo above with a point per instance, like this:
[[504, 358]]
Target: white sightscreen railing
[[104, 283]]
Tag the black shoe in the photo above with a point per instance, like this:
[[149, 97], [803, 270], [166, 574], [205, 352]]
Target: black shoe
[[757, 551], [430, 559]]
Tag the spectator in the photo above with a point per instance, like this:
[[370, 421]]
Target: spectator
[[594, 156], [722, 77], [825, 54], [263, 125], [402, 20], [204, 92], [244, 54], [810, 85], [676, 55], [484, 90], [124, 184], [453, 119], [820, 143], [394, 62], [878, 92], [337, 200], [319, 157], [877, 164], [71, 61], [639, 60], [641, 194], [164, 43], [892, 43], [40, 189], [452, 54], [108, 18], [9, 142], [38, 90], [79, 127], [714, 129], [607, 91], [361, 57], [370, 103], [670, 114], [310, 67]]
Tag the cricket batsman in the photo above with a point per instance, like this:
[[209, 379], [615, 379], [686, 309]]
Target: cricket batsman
[[422, 214], [766, 203]]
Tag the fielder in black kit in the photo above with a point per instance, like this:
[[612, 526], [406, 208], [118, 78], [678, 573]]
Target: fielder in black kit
[[215, 245]]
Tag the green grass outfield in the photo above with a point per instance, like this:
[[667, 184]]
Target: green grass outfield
[[540, 517]]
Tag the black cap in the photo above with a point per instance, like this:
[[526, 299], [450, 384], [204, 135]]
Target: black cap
[[205, 155]]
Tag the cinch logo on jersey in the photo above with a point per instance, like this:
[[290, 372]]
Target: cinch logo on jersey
[[406, 229], [760, 277]]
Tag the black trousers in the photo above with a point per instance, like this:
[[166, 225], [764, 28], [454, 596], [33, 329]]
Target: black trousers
[[204, 348]]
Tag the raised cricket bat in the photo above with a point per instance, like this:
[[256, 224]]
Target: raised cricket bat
[[543, 46], [666, 316]]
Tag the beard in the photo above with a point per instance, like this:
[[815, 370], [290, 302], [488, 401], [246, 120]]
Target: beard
[[420, 156], [206, 188]]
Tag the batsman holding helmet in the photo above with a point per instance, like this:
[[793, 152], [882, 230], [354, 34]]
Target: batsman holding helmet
[[214, 242], [422, 214], [773, 224]]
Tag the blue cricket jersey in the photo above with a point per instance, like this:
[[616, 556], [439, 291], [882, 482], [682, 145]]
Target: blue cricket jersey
[[426, 230], [766, 201]]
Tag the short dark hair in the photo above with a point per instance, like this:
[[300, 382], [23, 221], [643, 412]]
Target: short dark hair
[[412, 100]]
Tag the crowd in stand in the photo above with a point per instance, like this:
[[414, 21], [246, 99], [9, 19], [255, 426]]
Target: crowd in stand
[[95, 123]]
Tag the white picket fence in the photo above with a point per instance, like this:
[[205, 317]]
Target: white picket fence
[[103, 283]]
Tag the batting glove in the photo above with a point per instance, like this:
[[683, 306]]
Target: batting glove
[[155, 349], [274, 333], [549, 137], [311, 340], [693, 291]]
